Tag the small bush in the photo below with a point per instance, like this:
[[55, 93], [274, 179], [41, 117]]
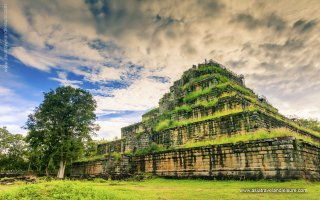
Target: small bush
[[150, 149], [93, 158], [256, 135], [99, 180], [194, 95], [207, 104], [116, 156], [62, 190], [162, 125]]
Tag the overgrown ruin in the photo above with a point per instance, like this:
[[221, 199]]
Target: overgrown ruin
[[209, 125]]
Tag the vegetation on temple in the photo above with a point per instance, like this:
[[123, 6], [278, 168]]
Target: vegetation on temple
[[310, 124], [256, 135], [60, 129]]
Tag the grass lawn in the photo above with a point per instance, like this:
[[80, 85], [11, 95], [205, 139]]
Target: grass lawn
[[157, 189]]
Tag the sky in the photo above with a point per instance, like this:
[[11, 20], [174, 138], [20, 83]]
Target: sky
[[127, 53]]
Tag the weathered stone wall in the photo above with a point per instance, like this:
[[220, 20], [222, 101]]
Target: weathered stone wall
[[270, 158], [208, 129], [223, 104], [173, 99], [137, 136], [91, 168], [109, 166], [225, 125], [112, 146], [277, 158], [273, 158]]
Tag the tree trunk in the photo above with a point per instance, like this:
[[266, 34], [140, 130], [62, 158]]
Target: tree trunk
[[29, 166], [61, 169], [47, 171]]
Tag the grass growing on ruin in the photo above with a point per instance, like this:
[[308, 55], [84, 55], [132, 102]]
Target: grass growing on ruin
[[298, 127], [256, 135], [92, 158], [194, 95], [214, 115], [222, 86], [166, 189], [207, 104], [167, 123], [183, 108], [196, 80], [162, 125]]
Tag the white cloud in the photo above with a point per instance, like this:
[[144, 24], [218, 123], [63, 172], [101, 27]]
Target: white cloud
[[5, 92], [14, 110], [166, 38], [62, 79], [140, 95], [109, 129], [106, 74], [32, 59]]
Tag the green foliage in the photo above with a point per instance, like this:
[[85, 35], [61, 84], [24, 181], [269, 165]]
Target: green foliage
[[162, 125], [100, 180], [153, 111], [13, 151], [215, 115], [222, 78], [183, 108], [225, 82], [159, 188], [312, 124], [196, 80], [206, 104], [211, 69], [116, 156], [215, 101], [60, 125], [264, 105], [90, 148], [222, 86], [228, 94], [243, 90], [166, 123], [293, 124], [194, 95], [150, 113], [312, 132], [91, 158], [256, 135], [63, 190], [150, 149], [139, 134]]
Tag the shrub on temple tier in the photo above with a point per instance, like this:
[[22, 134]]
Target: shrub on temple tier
[[256, 135], [116, 156], [196, 80], [166, 123], [150, 149], [162, 125], [194, 95]]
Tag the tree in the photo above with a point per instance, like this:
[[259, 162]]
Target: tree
[[90, 148], [13, 151], [61, 124], [310, 123]]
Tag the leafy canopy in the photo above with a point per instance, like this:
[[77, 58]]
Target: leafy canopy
[[13, 151], [61, 124]]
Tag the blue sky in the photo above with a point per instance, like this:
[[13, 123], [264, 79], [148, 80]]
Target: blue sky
[[128, 53]]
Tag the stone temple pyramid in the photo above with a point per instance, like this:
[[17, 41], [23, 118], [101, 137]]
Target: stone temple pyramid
[[210, 125]]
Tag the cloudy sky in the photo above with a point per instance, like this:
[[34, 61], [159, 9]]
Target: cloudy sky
[[128, 53]]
